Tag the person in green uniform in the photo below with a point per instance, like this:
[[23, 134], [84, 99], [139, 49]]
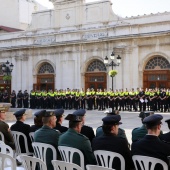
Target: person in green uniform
[[73, 138], [139, 132]]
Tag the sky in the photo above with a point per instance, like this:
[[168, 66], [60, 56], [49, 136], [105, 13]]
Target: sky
[[130, 8]]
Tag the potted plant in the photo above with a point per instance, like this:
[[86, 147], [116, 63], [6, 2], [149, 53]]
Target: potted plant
[[7, 77], [112, 73]]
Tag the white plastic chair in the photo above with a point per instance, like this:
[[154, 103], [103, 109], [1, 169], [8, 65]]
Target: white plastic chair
[[2, 137], [30, 163], [61, 165], [31, 134], [144, 162], [16, 136], [67, 154], [40, 150], [106, 158], [5, 149], [96, 167]]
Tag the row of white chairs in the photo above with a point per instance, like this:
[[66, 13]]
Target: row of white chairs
[[104, 157]]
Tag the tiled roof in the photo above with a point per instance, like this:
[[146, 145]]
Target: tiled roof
[[9, 29]]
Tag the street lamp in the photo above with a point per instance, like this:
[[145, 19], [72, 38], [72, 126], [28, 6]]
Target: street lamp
[[7, 69], [112, 63]]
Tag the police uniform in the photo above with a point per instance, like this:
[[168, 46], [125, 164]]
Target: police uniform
[[166, 137], [24, 128], [85, 130], [37, 120], [121, 132], [59, 113], [111, 142], [73, 139], [49, 136], [151, 145], [4, 128]]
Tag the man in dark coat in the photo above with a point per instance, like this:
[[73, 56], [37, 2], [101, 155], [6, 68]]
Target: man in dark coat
[[37, 120], [48, 135], [85, 130], [20, 126], [59, 113], [139, 132], [73, 138], [151, 145], [166, 137], [121, 132], [4, 128], [111, 142]]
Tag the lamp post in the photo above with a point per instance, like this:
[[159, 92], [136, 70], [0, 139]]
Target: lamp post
[[7, 69], [112, 63]]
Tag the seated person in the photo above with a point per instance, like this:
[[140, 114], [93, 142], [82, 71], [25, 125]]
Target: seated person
[[121, 132], [37, 120], [166, 137], [111, 142], [59, 113], [20, 126]]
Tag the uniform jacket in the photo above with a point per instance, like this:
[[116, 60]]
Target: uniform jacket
[[48, 136], [121, 132], [88, 132], [114, 144], [71, 138], [139, 133], [165, 137], [4, 128], [24, 128], [151, 146], [34, 128], [62, 129]]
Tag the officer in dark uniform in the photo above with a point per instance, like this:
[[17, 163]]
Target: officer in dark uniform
[[166, 137], [48, 135], [139, 132], [121, 132], [20, 126], [5, 97], [151, 145], [73, 138], [85, 130], [37, 120], [32, 99], [13, 99], [110, 142], [25, 99], [59, 113], [19, 99]]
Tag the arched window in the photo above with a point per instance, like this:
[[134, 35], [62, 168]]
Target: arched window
[[96, 66], [157, 63], [46, 68]]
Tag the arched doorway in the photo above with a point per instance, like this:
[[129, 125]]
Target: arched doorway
[[45, 77], [95, 76], [157, 73]]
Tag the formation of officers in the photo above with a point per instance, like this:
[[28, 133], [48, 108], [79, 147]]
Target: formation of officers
[[147, 140], [136, 100]]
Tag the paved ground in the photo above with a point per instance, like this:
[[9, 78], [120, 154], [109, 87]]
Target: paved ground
[[130, 120]]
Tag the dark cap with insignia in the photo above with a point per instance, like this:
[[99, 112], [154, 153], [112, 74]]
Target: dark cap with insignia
[[145, 114], [112, 120], [153, 120], [48, 114], [19, 113], [39, 113], [74, 118], [59, 112], [80, 112]]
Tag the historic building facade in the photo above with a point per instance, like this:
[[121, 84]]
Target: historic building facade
[[65, 48]]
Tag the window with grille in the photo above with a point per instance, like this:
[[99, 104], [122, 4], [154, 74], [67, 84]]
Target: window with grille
[[157, 63], [46, 68], [96, 66], [1, 72]]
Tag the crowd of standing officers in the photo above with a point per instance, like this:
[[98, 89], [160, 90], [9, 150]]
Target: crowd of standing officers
[[130, 100]]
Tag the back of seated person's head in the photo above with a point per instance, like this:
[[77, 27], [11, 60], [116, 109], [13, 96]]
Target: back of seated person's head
[[38, 121], [168, 122]]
